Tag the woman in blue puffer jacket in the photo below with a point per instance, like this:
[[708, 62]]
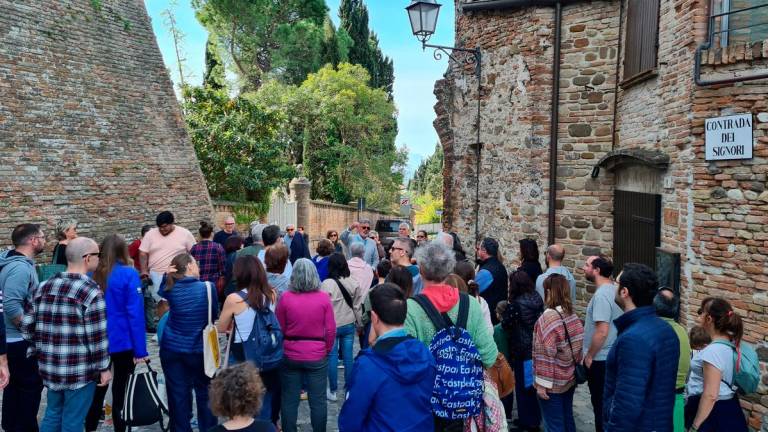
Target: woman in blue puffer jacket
[[120, 282]]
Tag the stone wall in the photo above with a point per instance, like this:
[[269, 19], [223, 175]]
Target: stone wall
[[714, 214], [91, 128]]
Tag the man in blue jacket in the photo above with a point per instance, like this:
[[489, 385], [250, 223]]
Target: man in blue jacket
[[641, 368], [392, 382]]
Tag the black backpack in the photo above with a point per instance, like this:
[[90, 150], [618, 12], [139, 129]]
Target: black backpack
[[143, 405]]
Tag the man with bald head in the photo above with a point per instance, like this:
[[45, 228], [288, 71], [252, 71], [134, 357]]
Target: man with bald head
[[554, 258], [227, 231], [67, 327]]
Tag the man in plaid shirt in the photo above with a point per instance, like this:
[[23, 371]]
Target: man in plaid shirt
[[67, 327]]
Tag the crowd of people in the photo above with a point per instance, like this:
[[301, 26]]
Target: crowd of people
[[431, 326]]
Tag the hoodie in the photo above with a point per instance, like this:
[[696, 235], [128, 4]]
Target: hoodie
[[445, 298], [18, 279], [390, 387]]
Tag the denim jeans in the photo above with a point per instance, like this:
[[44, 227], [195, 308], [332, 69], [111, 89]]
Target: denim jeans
[[345, 336], [292, 374], [67, 409], [596, 382], [184, 372], [558, 412], [21, 398]]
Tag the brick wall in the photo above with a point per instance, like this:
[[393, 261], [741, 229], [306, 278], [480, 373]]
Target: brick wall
[[91, 128]]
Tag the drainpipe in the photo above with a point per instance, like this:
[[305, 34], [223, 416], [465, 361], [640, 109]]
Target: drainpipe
[[553, 126], [617, 78]]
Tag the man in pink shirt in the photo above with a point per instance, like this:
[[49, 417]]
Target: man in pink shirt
[[159, 246]]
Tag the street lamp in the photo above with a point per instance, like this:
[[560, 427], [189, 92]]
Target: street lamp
[[423, 17]]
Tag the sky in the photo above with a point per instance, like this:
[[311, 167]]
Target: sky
[[415, 70]]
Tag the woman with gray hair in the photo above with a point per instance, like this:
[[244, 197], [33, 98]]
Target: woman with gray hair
[[436, 262], [306, 317], [66, 230]]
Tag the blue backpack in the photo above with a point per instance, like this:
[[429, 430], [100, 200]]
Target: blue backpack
[[458, 390], [264, 346], [746, 372]]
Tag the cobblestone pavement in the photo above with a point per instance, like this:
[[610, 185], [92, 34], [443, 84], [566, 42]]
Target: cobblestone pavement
[[581, 406]]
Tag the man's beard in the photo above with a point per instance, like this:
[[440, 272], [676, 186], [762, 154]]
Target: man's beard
[[590, 278]]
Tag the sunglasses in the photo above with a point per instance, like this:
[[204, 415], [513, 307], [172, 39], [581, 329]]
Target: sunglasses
[[91, 254], [334, 235], [289, 229], [366, 228]]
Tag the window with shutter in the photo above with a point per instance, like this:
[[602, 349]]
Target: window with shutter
[[641, 44]]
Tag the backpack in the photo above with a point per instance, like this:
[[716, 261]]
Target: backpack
[[143, 405], [458, 389], [746, 373], [264, 345]]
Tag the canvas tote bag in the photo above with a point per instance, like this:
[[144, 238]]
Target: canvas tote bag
[[211, 350]]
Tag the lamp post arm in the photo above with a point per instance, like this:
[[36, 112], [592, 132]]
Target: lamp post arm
[[473, 59]]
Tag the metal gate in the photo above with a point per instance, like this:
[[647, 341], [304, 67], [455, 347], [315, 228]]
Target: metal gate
[[636, 228]]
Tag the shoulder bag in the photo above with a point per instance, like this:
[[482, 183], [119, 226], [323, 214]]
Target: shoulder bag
[[211, 350], [579, 370]]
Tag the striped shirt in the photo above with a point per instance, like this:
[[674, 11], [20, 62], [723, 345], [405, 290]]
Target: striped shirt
[[67, 326], [553, 359]]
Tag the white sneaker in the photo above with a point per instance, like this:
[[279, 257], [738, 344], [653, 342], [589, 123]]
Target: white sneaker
[[331, 395]]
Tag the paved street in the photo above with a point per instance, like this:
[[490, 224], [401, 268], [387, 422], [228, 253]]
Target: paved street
[[582, 406]]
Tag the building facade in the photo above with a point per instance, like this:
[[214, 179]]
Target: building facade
[[635, 128], [90, 127]]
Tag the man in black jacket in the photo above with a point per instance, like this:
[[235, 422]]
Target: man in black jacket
[[492, 278]]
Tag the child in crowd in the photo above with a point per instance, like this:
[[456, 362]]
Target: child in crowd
[[236, 393], [502, 343], [699, 339]]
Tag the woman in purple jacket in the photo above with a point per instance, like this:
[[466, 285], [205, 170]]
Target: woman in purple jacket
[[306, 317], [120, 282]]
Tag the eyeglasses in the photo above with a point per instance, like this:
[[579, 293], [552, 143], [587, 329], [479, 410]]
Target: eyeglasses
[[289, 229], [396, 248], [420, 236], [91, 254], [365, 228], [334, 235]]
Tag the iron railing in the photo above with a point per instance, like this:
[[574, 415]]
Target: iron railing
[[721, 33]]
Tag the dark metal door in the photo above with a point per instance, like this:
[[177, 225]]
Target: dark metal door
[[636, 228]]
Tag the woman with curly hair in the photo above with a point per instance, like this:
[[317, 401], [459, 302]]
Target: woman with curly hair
[[236, 393]]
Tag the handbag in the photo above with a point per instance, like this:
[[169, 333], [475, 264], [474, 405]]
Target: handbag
[[211, 350], [492, 417], [579, 371], [144, 404], [502, 376]]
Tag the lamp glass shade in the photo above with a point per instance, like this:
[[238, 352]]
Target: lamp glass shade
[[423, 17]]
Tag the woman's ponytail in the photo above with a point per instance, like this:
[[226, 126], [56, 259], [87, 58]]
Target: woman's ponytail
[[724, 318]]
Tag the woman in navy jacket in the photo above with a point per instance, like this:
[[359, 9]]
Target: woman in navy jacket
[[120, 282], [181, 347]]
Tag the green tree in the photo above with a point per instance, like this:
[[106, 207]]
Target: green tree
[[266, 37], [215, 76], [342, 131], [366, 51], [237, 145], [428, 178]]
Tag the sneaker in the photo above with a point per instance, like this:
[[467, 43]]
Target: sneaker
[[341, 366], [303, 395], [331, 395]]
